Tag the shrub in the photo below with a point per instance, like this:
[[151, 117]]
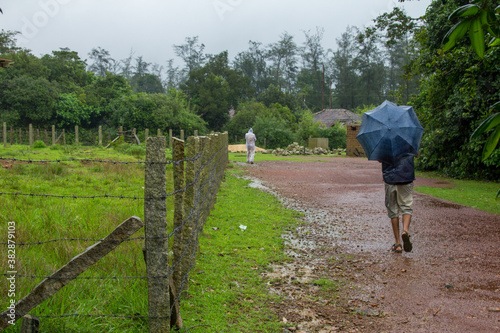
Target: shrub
[[38, 144]]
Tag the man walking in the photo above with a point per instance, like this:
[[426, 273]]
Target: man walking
[[250, 140], [398, 181]]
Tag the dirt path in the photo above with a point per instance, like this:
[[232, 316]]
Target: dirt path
[[449, 283]]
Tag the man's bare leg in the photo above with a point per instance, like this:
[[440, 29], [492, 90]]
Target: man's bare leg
[[395, 230], [407, 245]]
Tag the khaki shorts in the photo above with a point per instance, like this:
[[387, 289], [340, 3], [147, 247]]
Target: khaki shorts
[[398, 199]]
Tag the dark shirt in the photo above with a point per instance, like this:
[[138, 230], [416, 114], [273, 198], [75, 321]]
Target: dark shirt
[[401, 173]]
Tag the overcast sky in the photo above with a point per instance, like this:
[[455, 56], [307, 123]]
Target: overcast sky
[[151, 27]]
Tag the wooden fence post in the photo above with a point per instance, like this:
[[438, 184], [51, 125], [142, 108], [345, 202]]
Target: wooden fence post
[[64, 137], [30, 134], [179, 225], [11, 135], [30, 324], [182, 135], [76, 135], [158, 132], [195, 132], [170, 136], [156, 242], [146, 134], [71, 270], [5, 134], [53, 134], [100, 136], [20, 136]]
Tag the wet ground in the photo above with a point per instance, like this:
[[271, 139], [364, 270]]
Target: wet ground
[[450, 282]]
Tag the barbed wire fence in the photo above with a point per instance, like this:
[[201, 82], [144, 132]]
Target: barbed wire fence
[[198, 170], [84, 136]]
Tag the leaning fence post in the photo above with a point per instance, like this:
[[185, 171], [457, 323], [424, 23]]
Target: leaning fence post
[[156, 242], [179, 225]]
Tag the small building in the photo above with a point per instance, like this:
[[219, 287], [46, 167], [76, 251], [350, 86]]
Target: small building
[[329, 117], [5, 63], [354, 148]]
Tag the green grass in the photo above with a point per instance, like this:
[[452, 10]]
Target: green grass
[[476, 194], [227, 292]]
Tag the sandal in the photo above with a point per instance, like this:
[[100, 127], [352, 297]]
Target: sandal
[[397, 248], [406, 242]]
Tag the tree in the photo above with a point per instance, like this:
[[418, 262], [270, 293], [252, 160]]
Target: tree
[[214, 88], [310, 79], [102, 61], [457, 91], [253, 65], [66, 68], [8, 41], [370, 66], [479, 21], [345, 78], [283, 55], [192, 54], [398, 31]]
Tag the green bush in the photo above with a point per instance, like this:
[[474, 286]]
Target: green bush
[[38, 144]]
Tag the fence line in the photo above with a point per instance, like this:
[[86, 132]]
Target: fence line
[[197, 179], [89, 137]]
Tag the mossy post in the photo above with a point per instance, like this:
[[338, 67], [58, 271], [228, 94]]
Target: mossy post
[[30, 135], [156, 242], [179, 225], [5, 134], [204, 188], [170, 136], [191, 198]]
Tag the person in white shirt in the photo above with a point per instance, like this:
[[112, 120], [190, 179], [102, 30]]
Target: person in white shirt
[[250, 139]]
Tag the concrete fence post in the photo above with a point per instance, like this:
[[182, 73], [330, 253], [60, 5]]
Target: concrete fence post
[[5, 134], [179, 225], [30, 135], [191, 196], [156, 242]]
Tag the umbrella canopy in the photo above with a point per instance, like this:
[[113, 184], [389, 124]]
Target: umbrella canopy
[[390, 133]]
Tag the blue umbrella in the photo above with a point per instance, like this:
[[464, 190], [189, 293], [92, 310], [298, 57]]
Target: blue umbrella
[[390, 133]]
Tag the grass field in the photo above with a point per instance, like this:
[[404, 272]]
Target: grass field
[[227, 292]]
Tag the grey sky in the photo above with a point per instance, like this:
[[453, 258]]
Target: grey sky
[[151, 27]]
